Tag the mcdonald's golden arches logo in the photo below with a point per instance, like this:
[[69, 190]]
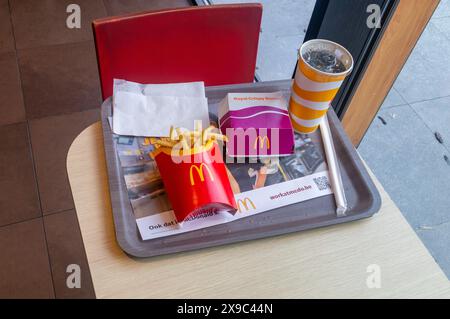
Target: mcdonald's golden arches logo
[[245, 203], [199, 170], [261, 140]]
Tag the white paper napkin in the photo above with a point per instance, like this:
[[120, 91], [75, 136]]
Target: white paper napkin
[[151, 109], [189, 89]]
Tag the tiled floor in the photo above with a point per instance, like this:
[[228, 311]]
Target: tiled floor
[[62, 231], [25, 268], [12, 108], [6, 35], [50, 92], [69, 68], [18, 196], [56, 133], [43, 23], [405, 154]]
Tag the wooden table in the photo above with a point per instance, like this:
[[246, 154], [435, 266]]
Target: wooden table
[[331, 262]]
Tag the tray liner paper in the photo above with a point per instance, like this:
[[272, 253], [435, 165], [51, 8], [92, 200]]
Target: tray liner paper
[[257, 187]]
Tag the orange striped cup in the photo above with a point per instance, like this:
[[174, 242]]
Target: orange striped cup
[[312, 89]]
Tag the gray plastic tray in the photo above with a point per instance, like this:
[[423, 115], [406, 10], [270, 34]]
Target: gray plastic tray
[[362, 195]]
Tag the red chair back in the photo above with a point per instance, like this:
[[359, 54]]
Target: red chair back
[[215, 44]]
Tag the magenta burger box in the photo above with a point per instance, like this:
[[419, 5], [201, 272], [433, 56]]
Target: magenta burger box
[[256, 124]]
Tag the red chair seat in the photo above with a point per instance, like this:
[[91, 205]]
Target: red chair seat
[[215, 44]]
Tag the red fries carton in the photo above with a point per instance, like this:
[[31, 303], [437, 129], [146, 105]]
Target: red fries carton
[[196, 181]]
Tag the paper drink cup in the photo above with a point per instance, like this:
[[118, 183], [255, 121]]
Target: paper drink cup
[[322, 67]]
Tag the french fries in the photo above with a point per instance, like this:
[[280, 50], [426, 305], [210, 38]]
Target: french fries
[[188, 140]]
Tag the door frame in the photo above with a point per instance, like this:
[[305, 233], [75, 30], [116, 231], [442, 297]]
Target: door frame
[[396, 44]]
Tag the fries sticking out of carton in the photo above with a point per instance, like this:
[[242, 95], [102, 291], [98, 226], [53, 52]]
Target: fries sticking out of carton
[[193, 172], [186, 141]]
